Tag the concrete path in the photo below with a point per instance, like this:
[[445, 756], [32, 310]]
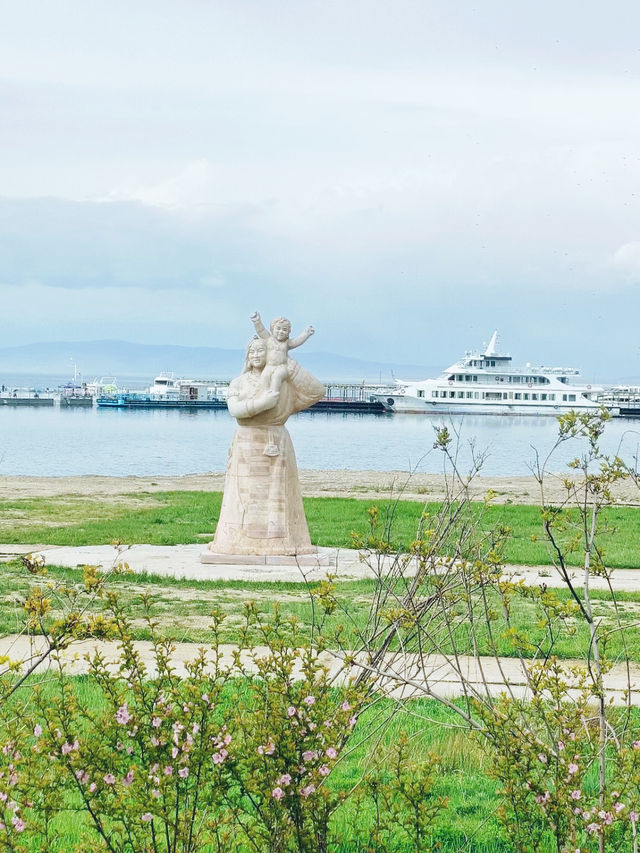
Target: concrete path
[[183, 561], [402, 676]]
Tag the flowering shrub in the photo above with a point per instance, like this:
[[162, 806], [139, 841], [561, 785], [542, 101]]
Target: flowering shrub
[[235, 750], [546, 752]]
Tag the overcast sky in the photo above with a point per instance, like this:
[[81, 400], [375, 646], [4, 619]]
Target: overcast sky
[[407, 176]]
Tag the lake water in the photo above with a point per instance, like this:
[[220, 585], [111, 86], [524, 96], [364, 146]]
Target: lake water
[[111, 442]]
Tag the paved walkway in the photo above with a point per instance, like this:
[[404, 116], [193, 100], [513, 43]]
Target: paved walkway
[[183, 561], [401, 676]]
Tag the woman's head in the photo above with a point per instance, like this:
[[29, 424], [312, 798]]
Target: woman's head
[[256, 355]]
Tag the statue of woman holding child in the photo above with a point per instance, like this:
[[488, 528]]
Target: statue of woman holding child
[[262, 512]]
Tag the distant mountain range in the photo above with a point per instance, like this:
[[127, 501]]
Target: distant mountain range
[[125, 360]]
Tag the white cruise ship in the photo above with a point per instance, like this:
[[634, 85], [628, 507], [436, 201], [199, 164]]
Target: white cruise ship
[[487, 383]]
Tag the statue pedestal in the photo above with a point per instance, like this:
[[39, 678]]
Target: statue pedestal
[[313, 560]]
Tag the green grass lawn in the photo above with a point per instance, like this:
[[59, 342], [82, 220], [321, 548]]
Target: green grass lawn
[[170, 518]]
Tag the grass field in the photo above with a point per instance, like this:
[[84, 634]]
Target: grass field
[[171, 518], [183, 608]]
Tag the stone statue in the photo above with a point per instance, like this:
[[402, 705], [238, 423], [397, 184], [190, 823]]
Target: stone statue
[[262, 514]]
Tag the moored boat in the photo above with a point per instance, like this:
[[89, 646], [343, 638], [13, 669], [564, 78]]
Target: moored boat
[[486, 382]]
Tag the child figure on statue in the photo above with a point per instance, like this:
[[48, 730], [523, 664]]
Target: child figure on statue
[[279, 366]]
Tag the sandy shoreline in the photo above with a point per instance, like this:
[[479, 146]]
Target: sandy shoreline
[[356, 484]]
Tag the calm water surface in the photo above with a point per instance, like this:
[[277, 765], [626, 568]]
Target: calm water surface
[[63, 442]]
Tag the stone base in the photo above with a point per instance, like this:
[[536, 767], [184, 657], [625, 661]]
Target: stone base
[[319, 558]]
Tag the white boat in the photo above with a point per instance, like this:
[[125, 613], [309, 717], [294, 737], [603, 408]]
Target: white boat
[[487, 383], [166, 387]]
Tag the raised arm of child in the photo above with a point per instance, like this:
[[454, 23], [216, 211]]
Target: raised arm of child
[[260, 329], [300, 339]]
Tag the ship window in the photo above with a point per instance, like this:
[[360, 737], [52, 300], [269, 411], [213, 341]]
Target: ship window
[[459, 377], [504, 395], [451, 378], [543, 396], [534, 396], [469, 395], [572, 398], [452, 393], [564, 397], [511, 395], [518, 395], [467, 378], [552, 396], [421, 393], [460, 393], [434, 393], [526, 397], [475, 378], [476, 395]]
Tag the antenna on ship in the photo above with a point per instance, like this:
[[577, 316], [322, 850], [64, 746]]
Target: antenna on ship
[[492, 345]]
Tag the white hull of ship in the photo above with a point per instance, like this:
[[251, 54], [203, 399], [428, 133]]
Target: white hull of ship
[[417, 406]]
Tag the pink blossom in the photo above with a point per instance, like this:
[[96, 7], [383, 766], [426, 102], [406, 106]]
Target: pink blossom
[[227, 740], [109, 778], [92, 787], [615, 794], [205, 697], [633, 817], [291, 712], [156, 722], [352, 722], [277, 793], [217, 758], [308, 755], [128, 779], [618, 807], [636, 744], [572, 768], [345, 706], [324, 770], [66, 748], [307, 790], [285, 779], [270, 748], [542, 758], [183, 772], [122, 715], [168, 770], [575, 795], [543, 798], [560, 745], [18, 824], [593, 828], [147, 817], [331, 752], [37, 730], [155, 793], [310, 700], [174, 751], [154, 741]]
